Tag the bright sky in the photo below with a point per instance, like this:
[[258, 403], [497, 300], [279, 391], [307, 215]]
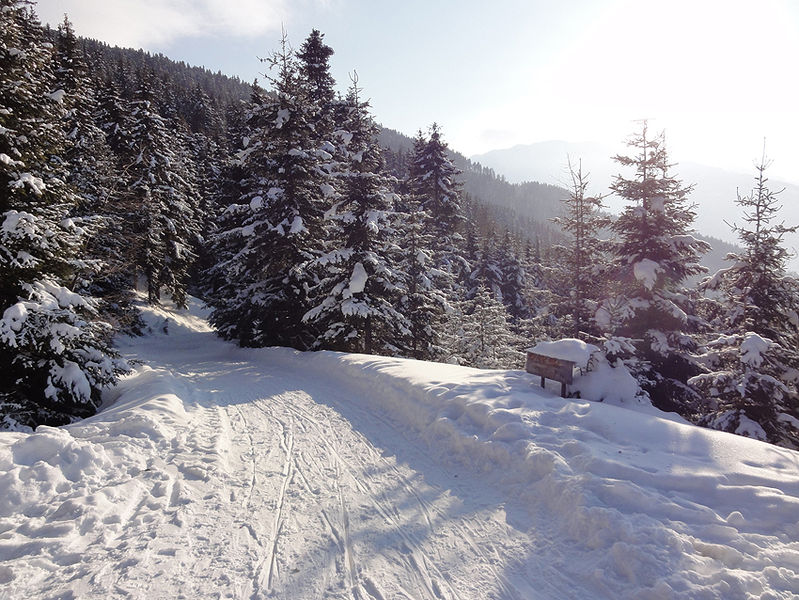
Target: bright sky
[[718, 76]]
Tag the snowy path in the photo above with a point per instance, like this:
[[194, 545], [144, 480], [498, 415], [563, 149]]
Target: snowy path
[[221, 472], [272, 486]]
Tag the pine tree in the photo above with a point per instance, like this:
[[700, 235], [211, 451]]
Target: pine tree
[[433, 180], [751, 388], [163, 186], [93, 174], [360, 284], [580, 263], [314, 69], [479, 334], [513, 280], [654, 254], [55, 355], [275, 230], [424, 303]]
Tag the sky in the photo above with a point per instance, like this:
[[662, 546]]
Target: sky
[[718, 76]]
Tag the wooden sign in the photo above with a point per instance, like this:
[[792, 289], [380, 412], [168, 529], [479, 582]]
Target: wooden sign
[[548, 367]]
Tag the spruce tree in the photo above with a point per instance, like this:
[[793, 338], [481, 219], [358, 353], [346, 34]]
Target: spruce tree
[[314, 69], [360, 284], [434, 182], [654, 253], [581, 261], [94, 174], [55, 355], [275, 230], [479, 335], [424, 303], [751, 386], [163, 188]]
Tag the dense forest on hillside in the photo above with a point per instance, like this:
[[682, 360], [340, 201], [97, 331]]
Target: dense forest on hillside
[[302, 223]]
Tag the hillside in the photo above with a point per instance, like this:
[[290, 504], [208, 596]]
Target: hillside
[[714, 189], [220, 472]]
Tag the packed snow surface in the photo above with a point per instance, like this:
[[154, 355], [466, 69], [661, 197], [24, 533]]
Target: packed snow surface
[[220, 472]]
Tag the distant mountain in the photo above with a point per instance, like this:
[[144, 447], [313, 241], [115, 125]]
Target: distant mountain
[[714, 189]]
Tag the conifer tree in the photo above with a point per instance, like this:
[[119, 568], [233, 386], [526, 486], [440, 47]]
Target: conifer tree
[[751, 386], [433, 179], [513, 280], [360, 284], [55, 355], [653, 255], [275, 230], [424, 303], [163, 186], [94, 175], [314, 68], [580, 262], [479, 335]]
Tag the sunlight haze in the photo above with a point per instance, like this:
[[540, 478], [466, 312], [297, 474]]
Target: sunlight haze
[[716, 76]]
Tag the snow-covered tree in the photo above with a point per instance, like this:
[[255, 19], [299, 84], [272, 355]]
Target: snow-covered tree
[[275, 229], [314, 69], [162, 184], [55, 355], [513, 280], [654, 254], [751, 388], [355, 302], [478, 334], [94, 174], [433, 180], [424, 304], [581, 260], [91, 163]]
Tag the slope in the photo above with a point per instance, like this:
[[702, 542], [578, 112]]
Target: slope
[[219, 472]]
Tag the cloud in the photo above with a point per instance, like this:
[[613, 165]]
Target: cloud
[[158, 23]]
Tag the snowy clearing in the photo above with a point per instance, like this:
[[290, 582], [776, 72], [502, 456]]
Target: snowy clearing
[[220, 472]]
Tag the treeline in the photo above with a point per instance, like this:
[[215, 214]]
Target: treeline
[[282, 210]]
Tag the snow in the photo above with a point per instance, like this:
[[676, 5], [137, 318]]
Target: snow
[[35, 183], [6, 159], [646, 271], [753, 347], [283, 115], [608, 383], [327, 190], [69, 377], [57, 96], [217, 471], [256, 203], [571, 349], [296, 225], [357, 280]]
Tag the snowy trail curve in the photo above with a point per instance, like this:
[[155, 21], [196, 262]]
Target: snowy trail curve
[[274, 486], [221, 472]]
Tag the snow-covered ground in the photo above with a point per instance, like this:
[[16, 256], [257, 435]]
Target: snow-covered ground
[[219, 472]]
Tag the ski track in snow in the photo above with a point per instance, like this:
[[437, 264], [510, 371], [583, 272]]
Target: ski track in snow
[[228, 473]]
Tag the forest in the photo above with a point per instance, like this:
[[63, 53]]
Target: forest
[[301, 222]]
